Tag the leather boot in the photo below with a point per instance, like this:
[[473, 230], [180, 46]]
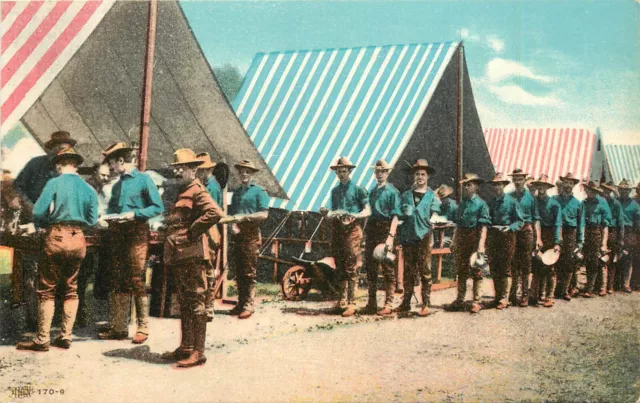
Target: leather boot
[[505, 287], [351, 298], [513, 292], [341, 303], [186, 339], [526, 285], [477, 286], [46, 310], [497, 287], [142, 316], [210, 301], [426, 299], [199, 336], [248, 308], [462, 293], [69, 312], [372, 303], [534, 290], [241, 297], [405, 306], [118, 329]]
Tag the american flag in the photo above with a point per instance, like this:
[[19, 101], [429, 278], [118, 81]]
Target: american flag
[[37, 39]]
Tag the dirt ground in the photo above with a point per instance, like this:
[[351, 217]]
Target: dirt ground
[[583, 350]]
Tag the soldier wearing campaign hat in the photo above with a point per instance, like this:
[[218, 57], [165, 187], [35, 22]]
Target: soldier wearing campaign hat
[[616, 234], [597, 219], [631, 238], [381, 229], [66, 206]]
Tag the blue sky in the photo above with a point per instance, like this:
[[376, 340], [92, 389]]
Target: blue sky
[[534, 63]]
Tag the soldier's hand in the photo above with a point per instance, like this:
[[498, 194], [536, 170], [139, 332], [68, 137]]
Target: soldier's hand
[[557, 248], [130, 215], [539, 245], [389, 243], [481, 249], [103, 224]]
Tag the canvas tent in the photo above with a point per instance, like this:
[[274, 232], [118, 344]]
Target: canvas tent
[[78, 66], [623, 161], [303, 109]]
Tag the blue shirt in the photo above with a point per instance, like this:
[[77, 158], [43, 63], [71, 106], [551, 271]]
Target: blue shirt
[[349, 197], [416, 222], [385, 202], [472, 212], [34, 176], [630, 212], [448, 208], [616, 212], [596, 212], [572, 214], [72, 198], [135, 191], [213, 188], [505, 210], [248, 200], [527, 204], [550, 213]]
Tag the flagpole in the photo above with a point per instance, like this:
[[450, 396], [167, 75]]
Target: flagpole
[[147, 86], [460, 111]]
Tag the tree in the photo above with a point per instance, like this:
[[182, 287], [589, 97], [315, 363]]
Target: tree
[[230, 80]]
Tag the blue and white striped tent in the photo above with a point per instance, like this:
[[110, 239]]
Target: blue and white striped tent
[[623, 162], [304, 109]]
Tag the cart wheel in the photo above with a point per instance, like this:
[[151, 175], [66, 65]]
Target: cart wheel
[[295, 286]]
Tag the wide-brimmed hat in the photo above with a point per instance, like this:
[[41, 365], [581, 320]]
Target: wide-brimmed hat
[[518, 172], [206, 161], [471, 177], [443, 191], [423, 164], [499, 178], [185, 156], [115, 150], [544, 180], [67, 154], [382, 165], [342, 162], [609, 185], [593, 186], [569, 177], [59, 137], [246, 164], [624, 184]]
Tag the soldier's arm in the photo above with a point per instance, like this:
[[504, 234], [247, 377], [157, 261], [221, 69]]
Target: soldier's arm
[[517, 217], [209, 213], [92, 211], [41, 208], [363, 198], [154, 206]]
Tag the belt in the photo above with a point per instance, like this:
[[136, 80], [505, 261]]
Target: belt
[[68, 224]]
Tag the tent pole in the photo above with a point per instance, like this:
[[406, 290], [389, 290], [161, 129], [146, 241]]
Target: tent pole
[[460, 119], [148, 80]]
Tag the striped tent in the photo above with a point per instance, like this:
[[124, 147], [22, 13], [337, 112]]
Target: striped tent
[[303, 109], [623, 162], [552, 151]]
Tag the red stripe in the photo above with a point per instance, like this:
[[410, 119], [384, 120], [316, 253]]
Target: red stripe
[[34, 40], [497, 163], [572, 152], [514, 151], [578, 158], [18, 25], [532, 151], [49, 57], [496, 145], [6, 8], [526, 152], [547, 150], [556, 151], [589, 151]]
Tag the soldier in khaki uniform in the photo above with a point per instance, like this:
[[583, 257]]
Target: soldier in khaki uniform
[[187, 250]]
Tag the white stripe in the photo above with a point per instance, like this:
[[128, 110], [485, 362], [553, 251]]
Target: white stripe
[[294, 134], [308, 157], [347, 136], [36, 91], [291, 112], [588, 144], [272, 98], [8, 21], [27, 31], [568, 152], [537, 162], [554, 155], [265, 85], [498, 163], [249, 91]]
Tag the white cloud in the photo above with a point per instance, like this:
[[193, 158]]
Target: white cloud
[[16, 158], [492, 42], [513, 94], [499, 69], [467, 35], [495, 43]]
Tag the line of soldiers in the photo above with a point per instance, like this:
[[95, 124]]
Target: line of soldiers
[[513, 234]]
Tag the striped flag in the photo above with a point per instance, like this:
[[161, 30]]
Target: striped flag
[[37, 39]]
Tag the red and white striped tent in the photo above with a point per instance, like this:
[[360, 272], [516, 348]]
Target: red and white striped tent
[[552, 151]]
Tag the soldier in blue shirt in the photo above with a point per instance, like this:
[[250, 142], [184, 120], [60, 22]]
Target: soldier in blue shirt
[[631, 224], [249, 207], [418, 204], [205, 174], [471, 219], [67, 205], [524, 239], [134, 200], [616, 233], [597, 218], [349, 202], [572, 235], [381, 229], [550, 222]]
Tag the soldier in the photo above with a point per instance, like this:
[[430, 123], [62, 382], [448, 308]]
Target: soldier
[[597, 218], [506, 220], [635, 278], [187, 249], [631, 224], [249, 206], [471, 219], [549, 210], [134, 200], [572, 235], [349, 202], [616, 234], [66, 205], [448, 206], [524, 238], [205, 174], [381, 229], [418, 204]]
